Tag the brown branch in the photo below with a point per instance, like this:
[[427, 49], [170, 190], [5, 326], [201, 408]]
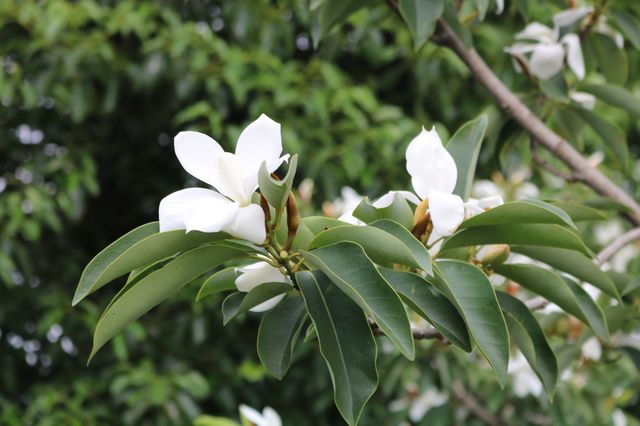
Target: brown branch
[[550, 140], [548, 167], [474, 406], [418, 333], [618, 244]]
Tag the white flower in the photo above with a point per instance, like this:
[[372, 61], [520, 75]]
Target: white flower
[[586, 100], [425, 402], [591, 349], [499, 6], [548, 52], [570, 16], [258, 273], [619, 418], [235, 177], [268, 417], [525, 381], [475, 206], [344, 205]]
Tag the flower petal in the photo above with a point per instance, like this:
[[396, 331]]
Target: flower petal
[[574, 54], [196, 153], [430, 165], [387, 199], [248, 224], [229, 174], [173, 206], [210, 215], [538, 32], [447, 212], [271, 417], [586, 100], [499, 6], [259, 273], [546, 60], [252, 415], [260, 141], [571, 16]]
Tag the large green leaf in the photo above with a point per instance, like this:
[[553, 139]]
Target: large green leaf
[[469, 289], [138, 299], [521, 212], [317, 224], [629, 24], [464, 147], [140, 247], [566, 294], [418, 250], [381, 246], [573, 263], [347, 265], [424, 299], [278, 332], [234, 305], [530, 338], [421, 17], [579, 212], [331, 13], [612, 61], [534, 235], [614, 95], [274, 191], [224, 280], [613, 137], [346, 342]]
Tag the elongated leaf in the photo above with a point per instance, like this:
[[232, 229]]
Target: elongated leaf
[[521, 212], [469, 289], [629, 24], [346, 342], [140, 247], [579, 212], [534, 235], [530, 338], [156, 287], [418, 250], [614, 139], [464, 147], [421, 17], [612, 61], [569, 296], [331, 13], [317, 224], [278, 332], [274, 191], [233, 306], [347, 265], [572, 263], [224, 280], [430, 305], [381, 246], [614, 95]]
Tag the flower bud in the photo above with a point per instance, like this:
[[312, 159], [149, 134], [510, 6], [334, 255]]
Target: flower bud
[[284, 254], [496, 255]]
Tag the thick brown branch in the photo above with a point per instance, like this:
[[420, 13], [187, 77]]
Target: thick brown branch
[[618, 244], [550, 140], [545, 165]]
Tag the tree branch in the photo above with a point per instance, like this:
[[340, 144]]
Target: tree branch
[[582, 169], [474, 406], [618, 244]]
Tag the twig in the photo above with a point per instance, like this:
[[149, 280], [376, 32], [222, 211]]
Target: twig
[[545, 165], [538, 130], [609, 251], [474, 406], [418, 333]]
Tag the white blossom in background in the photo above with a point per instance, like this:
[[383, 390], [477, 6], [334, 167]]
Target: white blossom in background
[[591, 349], [619, 418], [419, 406], [525, 381], [234, 176], [258, 273], [268, 417], [499, 7], [344, 205]]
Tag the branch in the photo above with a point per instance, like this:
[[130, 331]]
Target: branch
[[548, 167], [582, 169], [609, 251], [474, 406]]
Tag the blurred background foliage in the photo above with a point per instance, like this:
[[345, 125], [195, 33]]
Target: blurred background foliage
[[92, 93]]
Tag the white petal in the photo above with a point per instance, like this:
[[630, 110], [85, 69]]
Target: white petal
[[574, 54], [260, 141], [248, 224], [196, 153], [230, 178], [592, 349], [387, 199], [210, 215], [252, 415], [520, 48], [259, 273], [538, 32], [173, 206], [348, 217], [487, 203], [499, 6], [586, 100], [447, 212], [430, 165], [271, 417], [570, 16], [546, 60], [269, 304]]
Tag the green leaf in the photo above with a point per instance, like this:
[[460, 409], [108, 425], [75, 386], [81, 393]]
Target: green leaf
[[625, 283], [614, 139], [346, 343], [398, 211], [140, 247], [450, 15], [469, 289], [430, 305], [213, 421], [421, 17], [628, 24], [156, 287], [464, 147], [564, 293], [381, 246], [234, 305], [572, 263], [347, 265], [520, 212], [556, 88], [418, 250], [224, 280], [278, 332], [579, 212], [317, 224], [612, 61], [331, 13], [614, 95], [534, 235], [530, 338], [276, 192]]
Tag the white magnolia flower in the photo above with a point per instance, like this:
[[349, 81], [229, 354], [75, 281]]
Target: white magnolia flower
[[570, 16], [425, 402], [591, 349], [234, 176], [525, 381], [268, 417], [475, 206], [499, 6], [344, 205], [258, 273], [619, 418], [548, 51]]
